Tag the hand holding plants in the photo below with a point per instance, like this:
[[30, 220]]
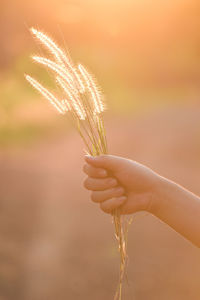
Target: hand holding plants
[[118, 182]]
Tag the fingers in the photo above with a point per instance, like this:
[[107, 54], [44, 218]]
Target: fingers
[[95, 184], [94, 172], [109, 205], [109, 162], [100, 196]]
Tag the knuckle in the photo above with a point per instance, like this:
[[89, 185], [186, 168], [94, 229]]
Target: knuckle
[[86, 183], [105, 208], [85, 168], [93, 197]]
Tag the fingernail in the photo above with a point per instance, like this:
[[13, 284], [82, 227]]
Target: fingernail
[[103, 173]]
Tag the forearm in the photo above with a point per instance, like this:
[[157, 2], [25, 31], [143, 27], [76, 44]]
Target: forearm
[[179, 208]]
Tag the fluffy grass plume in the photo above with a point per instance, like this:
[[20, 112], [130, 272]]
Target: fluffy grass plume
[[82, 101]]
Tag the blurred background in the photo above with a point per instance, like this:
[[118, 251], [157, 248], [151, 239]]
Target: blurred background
[[55, 243]]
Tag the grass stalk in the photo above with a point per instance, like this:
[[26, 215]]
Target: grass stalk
[[85, 107]]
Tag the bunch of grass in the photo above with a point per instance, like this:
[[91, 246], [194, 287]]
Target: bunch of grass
[[82, 100]]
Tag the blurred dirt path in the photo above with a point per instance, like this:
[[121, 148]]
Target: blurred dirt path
[[55, 243]]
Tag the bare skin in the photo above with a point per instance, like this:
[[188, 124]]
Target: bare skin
[[117, 182]]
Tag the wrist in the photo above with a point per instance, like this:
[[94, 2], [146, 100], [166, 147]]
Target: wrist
[[157, 194]]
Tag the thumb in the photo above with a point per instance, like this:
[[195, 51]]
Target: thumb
[[110, 162]]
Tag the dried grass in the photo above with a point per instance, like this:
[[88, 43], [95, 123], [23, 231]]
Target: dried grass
[[82, 100]]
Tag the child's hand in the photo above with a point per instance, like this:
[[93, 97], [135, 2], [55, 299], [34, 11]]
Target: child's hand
[[119, 182], [116, 182]]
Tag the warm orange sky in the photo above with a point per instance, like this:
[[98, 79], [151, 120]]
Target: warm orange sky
[[155, 32]]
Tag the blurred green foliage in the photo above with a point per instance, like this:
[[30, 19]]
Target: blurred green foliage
[[144, 55], [17, 125], [121, 95]]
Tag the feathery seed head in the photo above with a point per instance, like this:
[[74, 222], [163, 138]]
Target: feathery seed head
[[96, 96], [43, 91], [49, 63], [56, 68], [33, 30], [51, 46], [75, 100], [60, 56], [66, 105], [81, 86]]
